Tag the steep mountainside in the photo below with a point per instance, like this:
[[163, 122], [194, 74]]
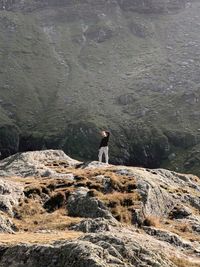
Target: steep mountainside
[[69, 68], [58, 212]]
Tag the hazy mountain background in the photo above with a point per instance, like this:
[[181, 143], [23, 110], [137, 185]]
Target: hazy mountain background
[[69, 68]]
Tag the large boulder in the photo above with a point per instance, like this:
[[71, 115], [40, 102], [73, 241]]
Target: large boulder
[[36, 163], [81, 204]]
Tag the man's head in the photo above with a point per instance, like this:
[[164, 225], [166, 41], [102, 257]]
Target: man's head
[[103, 133]]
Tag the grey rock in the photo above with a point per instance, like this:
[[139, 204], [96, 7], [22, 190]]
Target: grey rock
[[168, 237], [106, 242], [156, 200], [10, 194], [180, 211], [6, 225], [175, 178], [193, 200], [95, 225], [94, 250], [36, 163], [126, 247], [163, 194], [196, 227], [80, 204], [53, 174], [105, 181], [94, 165]]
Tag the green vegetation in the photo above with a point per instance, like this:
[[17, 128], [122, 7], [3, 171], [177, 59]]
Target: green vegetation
[[66, 71]]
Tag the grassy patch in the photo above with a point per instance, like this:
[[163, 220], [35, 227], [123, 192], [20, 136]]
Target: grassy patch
[[35, 238], [152, 221], [182, 262]]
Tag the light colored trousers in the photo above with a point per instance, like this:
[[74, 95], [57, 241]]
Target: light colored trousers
[[103, 150]]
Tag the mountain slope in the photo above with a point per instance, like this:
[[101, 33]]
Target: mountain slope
[[70, 68]]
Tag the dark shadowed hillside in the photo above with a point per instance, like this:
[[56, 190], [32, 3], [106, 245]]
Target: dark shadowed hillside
[[70, 68]]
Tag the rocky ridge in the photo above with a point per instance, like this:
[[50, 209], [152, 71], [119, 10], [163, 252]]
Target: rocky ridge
[[36, 163], [126, 216]]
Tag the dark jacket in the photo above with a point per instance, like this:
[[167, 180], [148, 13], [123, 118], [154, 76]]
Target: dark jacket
[[105, 140]]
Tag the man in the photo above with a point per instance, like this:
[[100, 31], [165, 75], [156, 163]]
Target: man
[[103, 148]]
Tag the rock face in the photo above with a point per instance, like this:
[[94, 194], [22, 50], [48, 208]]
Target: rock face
[[37, 163], [156, 189], [6, 225], [135, 59], [117, 249], [95, 225], [81, 204], [94, 250], [169, 238], [10, 194]]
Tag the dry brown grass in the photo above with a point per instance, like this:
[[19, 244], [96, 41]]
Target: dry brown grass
[[122, 214], [33, 214], [182, 262], [41, 238], [186, 234], [33, 217], [121, 205], [183, 229], [152, 220], [125, 199], [118, 182], [52, 221]]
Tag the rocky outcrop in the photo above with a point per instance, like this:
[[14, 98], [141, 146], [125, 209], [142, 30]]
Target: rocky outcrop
[[95, 225], [81, 204], [94, 250], [122, 216], [36, 163], [157, 189], [10, 194], [171, 238]]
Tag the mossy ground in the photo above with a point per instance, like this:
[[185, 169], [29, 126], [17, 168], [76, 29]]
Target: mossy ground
[[66, 72]]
